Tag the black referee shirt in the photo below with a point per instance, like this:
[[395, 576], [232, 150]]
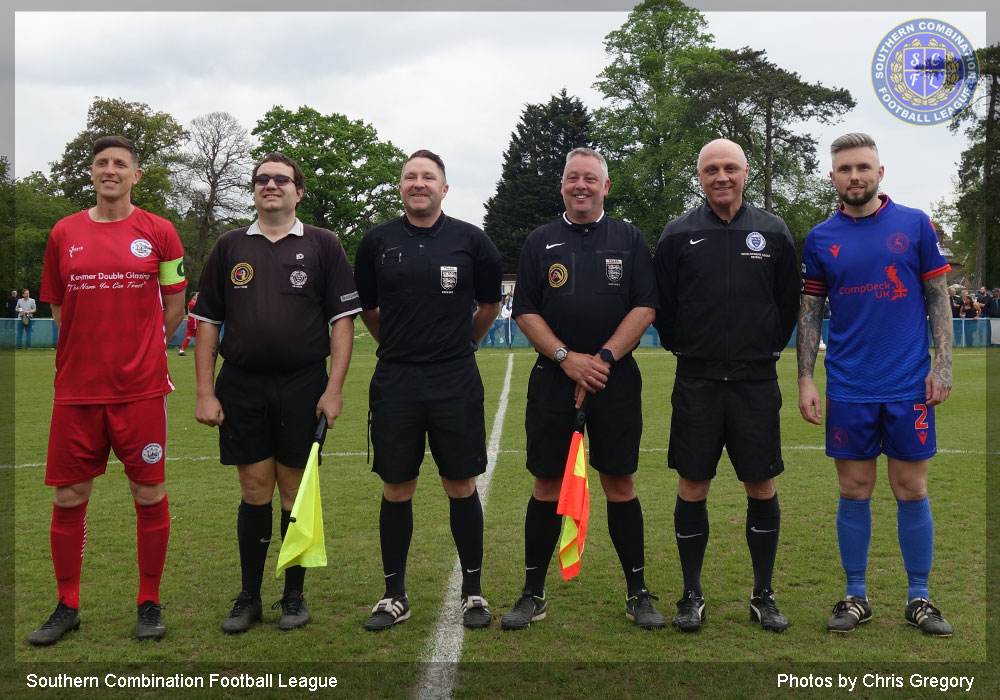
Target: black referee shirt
[[423, 281], [276, 299], [583, 280]]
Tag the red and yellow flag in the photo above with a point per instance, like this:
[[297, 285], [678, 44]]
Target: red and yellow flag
[[574, 506]]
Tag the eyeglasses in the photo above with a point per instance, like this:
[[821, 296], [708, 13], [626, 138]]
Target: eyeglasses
[[279, 180]]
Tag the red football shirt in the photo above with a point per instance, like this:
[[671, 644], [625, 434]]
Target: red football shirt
[[107, 277]]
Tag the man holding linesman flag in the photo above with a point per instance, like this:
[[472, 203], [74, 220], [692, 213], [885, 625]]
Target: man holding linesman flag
[[584, 296], [286, 294]]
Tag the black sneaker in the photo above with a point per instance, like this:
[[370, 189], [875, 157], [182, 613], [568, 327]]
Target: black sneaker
[[246, 611], [150, 623], [848, 614], [388, 612], [475, 612], [59, 623], [920, 613], [640, 610], [528, 608], [294, 613], [690, 612], [765, 611]]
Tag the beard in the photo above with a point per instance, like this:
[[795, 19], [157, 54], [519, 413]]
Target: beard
[[859, 199]]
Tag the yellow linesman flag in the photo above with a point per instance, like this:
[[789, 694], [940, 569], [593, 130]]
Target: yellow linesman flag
[[574, 506], [304, 543]]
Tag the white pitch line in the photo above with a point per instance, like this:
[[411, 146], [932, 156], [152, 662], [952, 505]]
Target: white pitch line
[[443, 655]]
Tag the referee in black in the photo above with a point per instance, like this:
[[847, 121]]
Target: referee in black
[[418, 276], [584, 296], [286, 295]]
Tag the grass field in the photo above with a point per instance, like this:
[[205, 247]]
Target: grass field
[[592, 650]]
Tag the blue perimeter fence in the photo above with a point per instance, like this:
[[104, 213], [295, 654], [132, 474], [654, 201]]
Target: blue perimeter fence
[[969, 333]]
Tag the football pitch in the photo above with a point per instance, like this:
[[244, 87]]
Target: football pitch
[[585, 647]]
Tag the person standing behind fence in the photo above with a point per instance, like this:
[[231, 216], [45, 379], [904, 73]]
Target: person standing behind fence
[[585, 294], [25, 317], [418, 276], [726, 390], [881, 265], [114, 276], [285, 291], [12, 303], [991, 309], [192, 325]]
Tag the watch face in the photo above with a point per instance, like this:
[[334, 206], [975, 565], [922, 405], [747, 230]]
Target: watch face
[[560, 354]]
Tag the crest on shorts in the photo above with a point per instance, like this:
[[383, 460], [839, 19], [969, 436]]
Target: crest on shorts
[[449, 277], [298, 278], [152, 453], [756, 241], [613, 269], [242, 274], [558, 275], [141, 248], [838, 436]]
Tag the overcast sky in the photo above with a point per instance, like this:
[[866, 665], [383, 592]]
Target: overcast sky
[[452, 82]]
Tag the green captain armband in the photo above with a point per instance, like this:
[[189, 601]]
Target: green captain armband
[[171, 272]]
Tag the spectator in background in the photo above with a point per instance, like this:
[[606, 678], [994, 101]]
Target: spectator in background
[[192, 325], [969, 308], [956, 302], [12, 304], [983, 295], [505, 309], [991, 309], [25, 313]]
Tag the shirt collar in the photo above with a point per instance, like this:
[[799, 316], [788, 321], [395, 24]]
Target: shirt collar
[[593, 223], [296, 230]]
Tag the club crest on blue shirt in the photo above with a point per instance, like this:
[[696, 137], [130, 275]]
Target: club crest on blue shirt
[[756, 241], [613, 269], [449, 277], [898, 243], [298, 278]]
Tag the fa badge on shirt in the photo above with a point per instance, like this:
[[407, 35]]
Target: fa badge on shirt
[[449, 277]]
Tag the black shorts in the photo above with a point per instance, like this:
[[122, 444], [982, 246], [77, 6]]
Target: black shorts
[[742, 416], [268, 414], [614, 420], [442, 401]]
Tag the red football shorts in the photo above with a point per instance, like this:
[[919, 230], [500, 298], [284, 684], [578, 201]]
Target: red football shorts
[[81, 438]]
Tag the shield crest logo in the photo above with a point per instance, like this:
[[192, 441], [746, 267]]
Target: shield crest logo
[[613, 269], [449, 277]]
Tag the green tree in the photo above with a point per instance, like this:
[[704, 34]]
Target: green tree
[[157, 138], [650, 131], [746, 98], [351, 176], [978, 202], [527, 194], [212, 184], [37, 211], [7, 280]]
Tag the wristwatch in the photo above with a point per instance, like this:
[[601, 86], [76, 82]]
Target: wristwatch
[[607, 356], [560, 354]]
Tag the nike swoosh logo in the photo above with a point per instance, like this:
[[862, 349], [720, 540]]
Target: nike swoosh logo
[[393, 248], [388, 575], [553, 245], [639, 569], [694, 242], [530, 568], [754, 529], [684, 537], [472, 571], [265, 541]]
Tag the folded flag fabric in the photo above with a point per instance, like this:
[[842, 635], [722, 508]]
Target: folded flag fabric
[[304, 543], [574, 503]]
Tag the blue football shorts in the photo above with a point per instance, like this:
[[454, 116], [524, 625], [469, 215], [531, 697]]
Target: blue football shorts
[[900, 429]]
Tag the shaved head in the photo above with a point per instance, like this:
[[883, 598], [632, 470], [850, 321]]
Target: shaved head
[[721, 147]]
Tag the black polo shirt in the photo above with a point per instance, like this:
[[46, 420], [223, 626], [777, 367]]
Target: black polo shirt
[[423, 282], [583, 280], [276, 299]]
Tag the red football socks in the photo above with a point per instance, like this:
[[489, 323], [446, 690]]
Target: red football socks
[[152, 531], [67, 537]]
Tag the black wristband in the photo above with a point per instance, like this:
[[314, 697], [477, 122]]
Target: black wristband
[[607, 356]]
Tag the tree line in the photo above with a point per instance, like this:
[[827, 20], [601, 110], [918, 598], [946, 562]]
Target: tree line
[[666, 89]]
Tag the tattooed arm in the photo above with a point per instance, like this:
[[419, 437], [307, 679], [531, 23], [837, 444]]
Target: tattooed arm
[[938, 382], [807, 347]]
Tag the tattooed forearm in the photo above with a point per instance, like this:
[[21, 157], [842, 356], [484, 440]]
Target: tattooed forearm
[[942, 330], [809, 332]]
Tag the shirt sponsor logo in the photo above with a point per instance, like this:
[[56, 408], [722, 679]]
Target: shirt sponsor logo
[[558, 275], [141, 248], [75, 249], [242, 274], [892, 288], [298, 278], [449, 277], [898, 243], [152, 453], [756, 241], [613, 269]]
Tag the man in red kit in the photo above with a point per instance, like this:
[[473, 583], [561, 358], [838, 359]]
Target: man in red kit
[[192, 325], [111, 374]]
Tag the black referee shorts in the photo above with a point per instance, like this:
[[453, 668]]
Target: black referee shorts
[[442, 401], [614, 420], [268, 414], [742, 416]]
